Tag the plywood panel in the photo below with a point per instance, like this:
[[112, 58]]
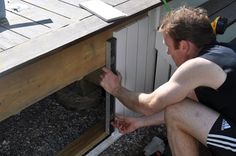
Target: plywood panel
[[37, 14], [61, 8]]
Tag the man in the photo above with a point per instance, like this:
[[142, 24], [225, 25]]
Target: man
[[198, 103]]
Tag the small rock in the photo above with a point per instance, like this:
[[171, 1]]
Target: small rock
[[5, 142]]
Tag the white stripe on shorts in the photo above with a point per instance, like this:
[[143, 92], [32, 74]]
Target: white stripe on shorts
[[221, 141]]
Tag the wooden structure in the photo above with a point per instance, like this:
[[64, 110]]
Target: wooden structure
[[44, 46]]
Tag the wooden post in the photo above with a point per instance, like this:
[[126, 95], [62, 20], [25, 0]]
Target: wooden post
[[2, 10]]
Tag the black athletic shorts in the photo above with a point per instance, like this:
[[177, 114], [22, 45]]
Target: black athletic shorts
[[221, 140]]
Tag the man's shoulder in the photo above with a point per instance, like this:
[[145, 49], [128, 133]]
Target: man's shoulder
[[202, 72], [197, 62]]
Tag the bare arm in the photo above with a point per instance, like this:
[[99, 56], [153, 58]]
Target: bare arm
[[193, 73], [129, 124]]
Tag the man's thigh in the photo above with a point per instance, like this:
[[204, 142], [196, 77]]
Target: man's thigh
[[208, 126], [195, 118]]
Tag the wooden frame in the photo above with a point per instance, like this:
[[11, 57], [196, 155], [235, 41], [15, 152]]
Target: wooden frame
[[58, 58]]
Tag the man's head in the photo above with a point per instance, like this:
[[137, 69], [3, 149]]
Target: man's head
[[190, 26]]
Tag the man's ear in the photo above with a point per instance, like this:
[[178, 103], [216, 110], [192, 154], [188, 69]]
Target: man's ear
[[184, 45]]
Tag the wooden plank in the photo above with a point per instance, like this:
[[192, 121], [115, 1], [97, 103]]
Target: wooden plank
[[131, 56], [141, 54], [121, 37], [11, 58], [164, 64], [115, 2], [131, 60], [37, 14], [23, 26], [162, 71], [151, 52], [61, 8], [35, 81], [213, 6], [9, 39], [73, 2], [132, 6], [85, 142], [111, 2], [59, 38]]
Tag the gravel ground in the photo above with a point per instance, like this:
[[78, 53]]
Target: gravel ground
[[46, 127], [133, 144]]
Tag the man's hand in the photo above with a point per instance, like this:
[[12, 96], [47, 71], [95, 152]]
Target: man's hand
[[127, 124], [110, 81]]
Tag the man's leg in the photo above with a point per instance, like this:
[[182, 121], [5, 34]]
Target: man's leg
[[187, 123]]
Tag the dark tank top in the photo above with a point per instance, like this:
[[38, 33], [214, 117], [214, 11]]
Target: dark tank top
[[223, 100]]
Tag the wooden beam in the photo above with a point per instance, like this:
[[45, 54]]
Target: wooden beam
[[27, 85], [31, 82], [83, 144]]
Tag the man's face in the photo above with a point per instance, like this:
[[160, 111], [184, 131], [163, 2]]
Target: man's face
[[176, 54]]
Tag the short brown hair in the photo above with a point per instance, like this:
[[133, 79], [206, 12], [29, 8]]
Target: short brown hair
[[187, 23]]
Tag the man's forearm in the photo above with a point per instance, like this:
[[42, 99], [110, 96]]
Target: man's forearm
[[155, 119], [138, 102]]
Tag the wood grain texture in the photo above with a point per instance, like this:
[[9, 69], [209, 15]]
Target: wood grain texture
[[131, 60], [40, 79], [11, 58], [121, 37], [10, 39], [141, 55], [63, 36], [24, 26], [37, 14], [110, 2], [61, 8], [84, 143]]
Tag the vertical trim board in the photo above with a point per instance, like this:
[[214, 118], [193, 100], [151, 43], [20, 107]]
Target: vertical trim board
[[120, 63], [141, 55], [151, 53], [131, 60]]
